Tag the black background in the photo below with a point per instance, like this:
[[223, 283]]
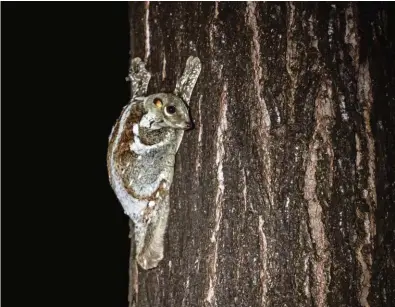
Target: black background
[[64, 235]]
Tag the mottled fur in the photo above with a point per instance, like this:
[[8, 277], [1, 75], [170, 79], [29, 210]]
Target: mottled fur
[[141, 156]]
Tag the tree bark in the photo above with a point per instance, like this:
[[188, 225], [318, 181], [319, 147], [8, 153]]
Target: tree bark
[[283, 194]]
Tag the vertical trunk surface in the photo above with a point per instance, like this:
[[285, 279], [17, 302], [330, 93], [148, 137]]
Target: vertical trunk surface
[[283, 194]]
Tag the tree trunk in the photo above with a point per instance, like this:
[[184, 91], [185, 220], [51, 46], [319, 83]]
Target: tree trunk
[[283, 194]]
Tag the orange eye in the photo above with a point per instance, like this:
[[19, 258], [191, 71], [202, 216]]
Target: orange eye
[[158, 102]]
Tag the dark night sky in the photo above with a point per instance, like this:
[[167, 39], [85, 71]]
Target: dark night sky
[[65, 237]]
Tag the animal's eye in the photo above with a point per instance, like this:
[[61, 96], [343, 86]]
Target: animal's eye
[[158, 102], [171, 109]]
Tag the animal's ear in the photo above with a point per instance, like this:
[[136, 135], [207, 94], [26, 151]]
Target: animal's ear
[[158, 103], [186, 83]]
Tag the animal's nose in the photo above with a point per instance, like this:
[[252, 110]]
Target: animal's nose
[[188, 125]]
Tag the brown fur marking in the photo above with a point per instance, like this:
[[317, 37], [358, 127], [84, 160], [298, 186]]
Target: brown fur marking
[[162, 191], [123, 150]]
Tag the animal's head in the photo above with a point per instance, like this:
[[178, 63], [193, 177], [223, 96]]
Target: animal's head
[[166, 110]]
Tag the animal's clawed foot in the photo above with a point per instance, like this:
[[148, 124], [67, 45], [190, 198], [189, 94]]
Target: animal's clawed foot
[[139, 76], [137, 67], [193, 65], [187, 81]]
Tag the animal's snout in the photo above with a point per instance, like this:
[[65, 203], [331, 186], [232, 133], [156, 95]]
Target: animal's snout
[[188, 125]]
